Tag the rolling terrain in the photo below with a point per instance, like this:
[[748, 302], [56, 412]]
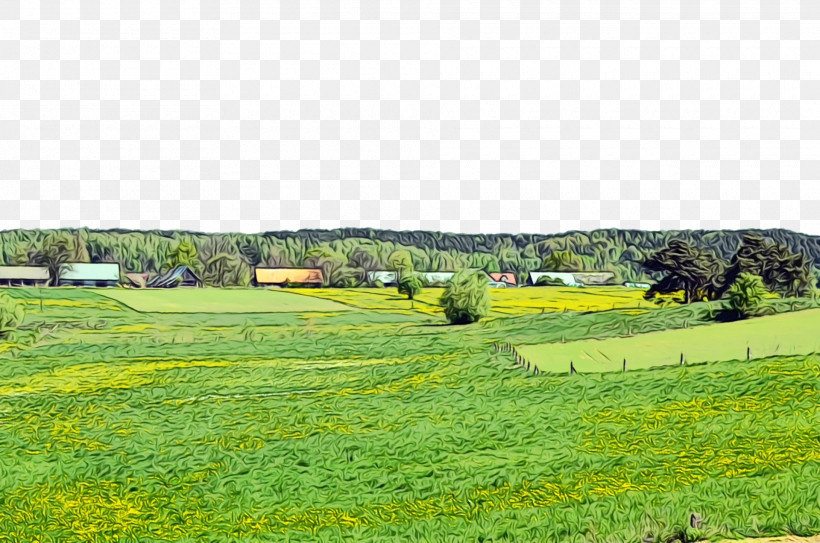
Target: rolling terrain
[[379, 422]]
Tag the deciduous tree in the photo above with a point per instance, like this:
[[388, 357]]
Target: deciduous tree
[[466, 298], [699, 273]]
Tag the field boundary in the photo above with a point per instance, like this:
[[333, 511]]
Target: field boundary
[[785, 334], [520, 360]]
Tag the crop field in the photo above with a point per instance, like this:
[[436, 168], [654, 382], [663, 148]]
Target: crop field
[[791, 333], [219, 301], [126, 419], [513, 301]]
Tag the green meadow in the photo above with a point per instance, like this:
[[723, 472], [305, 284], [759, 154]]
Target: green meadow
[[209, 300], [250, 415], [785, 334]]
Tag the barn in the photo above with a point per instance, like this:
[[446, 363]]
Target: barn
[[386, 278], [436, 278], [181, 276], [282, 277], [80, 274], [575, 279], [504, 277], [630, 284], [23, 276], [139, 280]]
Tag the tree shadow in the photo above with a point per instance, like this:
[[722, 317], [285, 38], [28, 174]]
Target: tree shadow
[[727, 315]]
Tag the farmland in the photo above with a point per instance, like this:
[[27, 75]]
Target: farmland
[[179, 416], [219, 301], [792, 333]]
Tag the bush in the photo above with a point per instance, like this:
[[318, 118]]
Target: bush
[[410, 286], [746, 295], [466, 298], [11, 313], [546, 281]]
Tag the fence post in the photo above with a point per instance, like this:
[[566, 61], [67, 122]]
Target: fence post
[[748, 353], [624, 364], [572, 368], [682, 361]]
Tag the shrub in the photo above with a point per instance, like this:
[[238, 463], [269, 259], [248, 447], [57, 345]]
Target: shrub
[[466, 298], [410, 286], [11, 313], [546, 281], [746, 295]]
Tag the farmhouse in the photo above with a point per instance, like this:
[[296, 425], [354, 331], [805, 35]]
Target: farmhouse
[[181, 276], [575, 279], [90, 275], [505, 277], [23, 276], [431, 278], [139, 280], [637, 285], [289, 276], [386, 278]]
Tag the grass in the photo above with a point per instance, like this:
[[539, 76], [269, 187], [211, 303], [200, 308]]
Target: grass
[[504, 302], [217, 301], [789, 334], [376, 425]]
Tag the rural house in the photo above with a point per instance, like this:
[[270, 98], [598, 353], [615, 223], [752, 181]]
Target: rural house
[[386, 278], [181, 276], [289, 277], [90, 275], [23, 276], [575, 279], [139, 280], [505, 277], [432, 278], [637, 285]]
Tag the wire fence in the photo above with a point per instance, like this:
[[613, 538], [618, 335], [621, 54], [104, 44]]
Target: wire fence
[[520, 361], [524, 363]]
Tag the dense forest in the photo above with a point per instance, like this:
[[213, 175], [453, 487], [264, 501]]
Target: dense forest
[[347, 254]]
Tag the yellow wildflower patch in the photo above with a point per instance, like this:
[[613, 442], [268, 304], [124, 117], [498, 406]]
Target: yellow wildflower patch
[[91, 378]]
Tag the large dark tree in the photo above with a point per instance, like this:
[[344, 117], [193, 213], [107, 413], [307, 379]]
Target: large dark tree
[[699, 273], [57, 250], [366, 259], [785, 272]]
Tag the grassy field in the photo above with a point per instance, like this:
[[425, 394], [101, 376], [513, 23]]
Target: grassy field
[[791, 333], [504, 302], [219, 301], [385, 425]]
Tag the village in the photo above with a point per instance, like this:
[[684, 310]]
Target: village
[[104, 274]]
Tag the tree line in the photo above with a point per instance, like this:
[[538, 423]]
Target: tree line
[[347, 255], [759, 267]]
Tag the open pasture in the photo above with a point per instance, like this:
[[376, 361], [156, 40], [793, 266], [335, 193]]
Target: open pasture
[[219, 301], [503, 302], [784, 334], [373, 425], [516, 301]]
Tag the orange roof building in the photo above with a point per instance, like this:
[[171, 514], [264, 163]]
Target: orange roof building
[[285, 276], [507, 277]]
